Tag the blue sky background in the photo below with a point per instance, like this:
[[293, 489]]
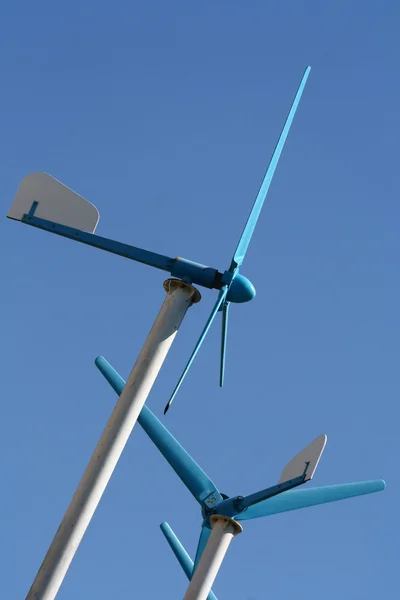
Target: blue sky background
[[164, 115]]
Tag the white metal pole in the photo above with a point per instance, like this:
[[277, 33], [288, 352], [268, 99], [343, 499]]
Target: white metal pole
[[180, 296], [223, 530]]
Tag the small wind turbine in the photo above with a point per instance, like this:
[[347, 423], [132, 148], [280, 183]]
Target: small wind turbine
[[225, 511], [44, 202]]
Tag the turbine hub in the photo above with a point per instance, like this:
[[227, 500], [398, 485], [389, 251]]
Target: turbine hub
[[241, 290], [207, 511]]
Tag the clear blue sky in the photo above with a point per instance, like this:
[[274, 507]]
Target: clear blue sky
[[164, 114]]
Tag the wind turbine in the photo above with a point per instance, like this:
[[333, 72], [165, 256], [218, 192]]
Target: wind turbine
[[226, 512], [44, 202]]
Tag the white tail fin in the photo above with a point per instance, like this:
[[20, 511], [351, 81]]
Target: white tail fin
[[56, 203], [311, 454]]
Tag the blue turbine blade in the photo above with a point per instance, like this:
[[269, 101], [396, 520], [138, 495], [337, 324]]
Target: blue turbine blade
[[294, 499], [203, 539], [225, 315], [221, 298], [194, 478], [245, 238], [183, 557]]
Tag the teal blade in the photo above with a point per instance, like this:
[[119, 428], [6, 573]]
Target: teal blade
[[221, 298], [295, 499], [183, 557], [225, 315], [259, 201], [203, 539], [189, 472]]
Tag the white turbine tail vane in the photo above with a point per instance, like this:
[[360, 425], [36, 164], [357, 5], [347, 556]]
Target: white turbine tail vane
[[309, 457], [46, 198]]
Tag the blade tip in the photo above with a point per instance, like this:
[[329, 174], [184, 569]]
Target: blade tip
[[99, 360], [168, 406]]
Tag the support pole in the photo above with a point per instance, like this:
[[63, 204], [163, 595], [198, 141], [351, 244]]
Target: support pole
[[180, 296], [223, 530]]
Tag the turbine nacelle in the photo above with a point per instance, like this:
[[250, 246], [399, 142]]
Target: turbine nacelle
[[228, 507]]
